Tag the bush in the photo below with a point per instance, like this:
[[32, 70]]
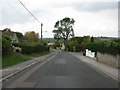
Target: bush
[[37, 48], [71, 45], [112, 48], [6, 45], [75, 46]]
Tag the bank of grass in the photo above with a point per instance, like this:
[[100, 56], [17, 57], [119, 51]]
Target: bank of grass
[[39, 54], [13, 58], [16, 58]]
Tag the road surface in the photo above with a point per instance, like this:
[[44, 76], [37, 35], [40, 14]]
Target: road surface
[[60, 71]]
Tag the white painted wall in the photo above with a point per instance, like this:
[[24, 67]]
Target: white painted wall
[[90, 54]]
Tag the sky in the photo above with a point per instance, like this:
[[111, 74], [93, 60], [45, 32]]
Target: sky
[[92, 17]]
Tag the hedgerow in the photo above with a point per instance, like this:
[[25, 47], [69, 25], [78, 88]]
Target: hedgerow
[[103, 47]]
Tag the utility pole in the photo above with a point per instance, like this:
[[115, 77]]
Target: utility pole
[[41, 31]]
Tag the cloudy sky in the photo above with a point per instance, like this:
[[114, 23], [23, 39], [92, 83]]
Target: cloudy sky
[[93, 17]]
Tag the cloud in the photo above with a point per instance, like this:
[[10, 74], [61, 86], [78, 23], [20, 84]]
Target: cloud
[[96, 6], [92, 18], [90, 6], [15, 13]]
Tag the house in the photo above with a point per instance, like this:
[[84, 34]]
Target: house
[[63, 46], [51, 43], [12, 35]]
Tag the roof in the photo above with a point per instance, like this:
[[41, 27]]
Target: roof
[[7, 31]]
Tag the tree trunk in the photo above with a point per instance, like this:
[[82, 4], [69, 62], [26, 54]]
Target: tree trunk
[[65, 43]]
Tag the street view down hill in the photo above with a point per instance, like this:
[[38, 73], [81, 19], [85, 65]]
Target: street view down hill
[[59, 44]]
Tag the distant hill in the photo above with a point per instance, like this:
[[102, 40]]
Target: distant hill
[[107, 38], [48, 39]]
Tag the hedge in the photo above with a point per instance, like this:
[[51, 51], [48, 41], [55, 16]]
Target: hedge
[[112, 48], [28, 49]]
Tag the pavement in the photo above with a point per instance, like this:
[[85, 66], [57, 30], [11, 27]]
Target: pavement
[[61, 70], [111, 71], [8, 72]]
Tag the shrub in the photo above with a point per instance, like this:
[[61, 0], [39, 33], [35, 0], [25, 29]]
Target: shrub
[[112, 48], [77, 48], [6, 45], [28, 49], [71, 45]]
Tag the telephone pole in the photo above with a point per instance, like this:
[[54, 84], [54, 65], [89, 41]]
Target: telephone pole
[[41, 31]]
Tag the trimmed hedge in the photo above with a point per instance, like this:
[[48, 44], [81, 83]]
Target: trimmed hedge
[[112, 48], [28, 49]]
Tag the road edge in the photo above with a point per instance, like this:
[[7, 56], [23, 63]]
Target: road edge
[[97, 68], [16, 72]]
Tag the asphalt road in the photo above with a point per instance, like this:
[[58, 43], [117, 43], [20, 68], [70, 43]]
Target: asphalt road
[[60, 71]]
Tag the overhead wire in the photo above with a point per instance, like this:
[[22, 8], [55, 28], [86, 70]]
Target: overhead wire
[[29, 11]]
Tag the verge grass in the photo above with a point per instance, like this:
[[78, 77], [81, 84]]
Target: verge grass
[[13, 58], [39, 54]]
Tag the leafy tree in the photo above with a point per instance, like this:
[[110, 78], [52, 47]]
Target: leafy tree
[[78, 39], [92, 39], [19, 35], [86, 39], [31, 36], [64, 30]]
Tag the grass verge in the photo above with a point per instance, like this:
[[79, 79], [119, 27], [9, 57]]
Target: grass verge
[[39, 54], [14, 58]]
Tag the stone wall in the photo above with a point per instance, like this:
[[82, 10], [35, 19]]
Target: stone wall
[[109, 59]]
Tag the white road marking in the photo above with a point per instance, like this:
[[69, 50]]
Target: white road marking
[[10, 69]]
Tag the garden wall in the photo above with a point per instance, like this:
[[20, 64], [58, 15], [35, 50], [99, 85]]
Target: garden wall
[[108, 59]]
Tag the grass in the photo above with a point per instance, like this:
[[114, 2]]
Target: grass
[[14, 58], [39, 54]]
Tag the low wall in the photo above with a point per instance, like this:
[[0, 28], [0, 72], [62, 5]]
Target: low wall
[[90, 54], [109, 59]]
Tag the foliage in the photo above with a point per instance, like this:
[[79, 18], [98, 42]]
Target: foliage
[[64, 30], [56, 44], [116, 40], [86, 39], [112, 48], [31, 36], [77, 43], [78, 39], [33, 48], [92, 39], [71, 45], [19, 35], [6, 45]]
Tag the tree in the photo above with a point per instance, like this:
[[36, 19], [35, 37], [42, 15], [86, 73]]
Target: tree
[[64, 30], [92, 39], [78, 39], [86, 39], [19, 35], [31, 36]]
